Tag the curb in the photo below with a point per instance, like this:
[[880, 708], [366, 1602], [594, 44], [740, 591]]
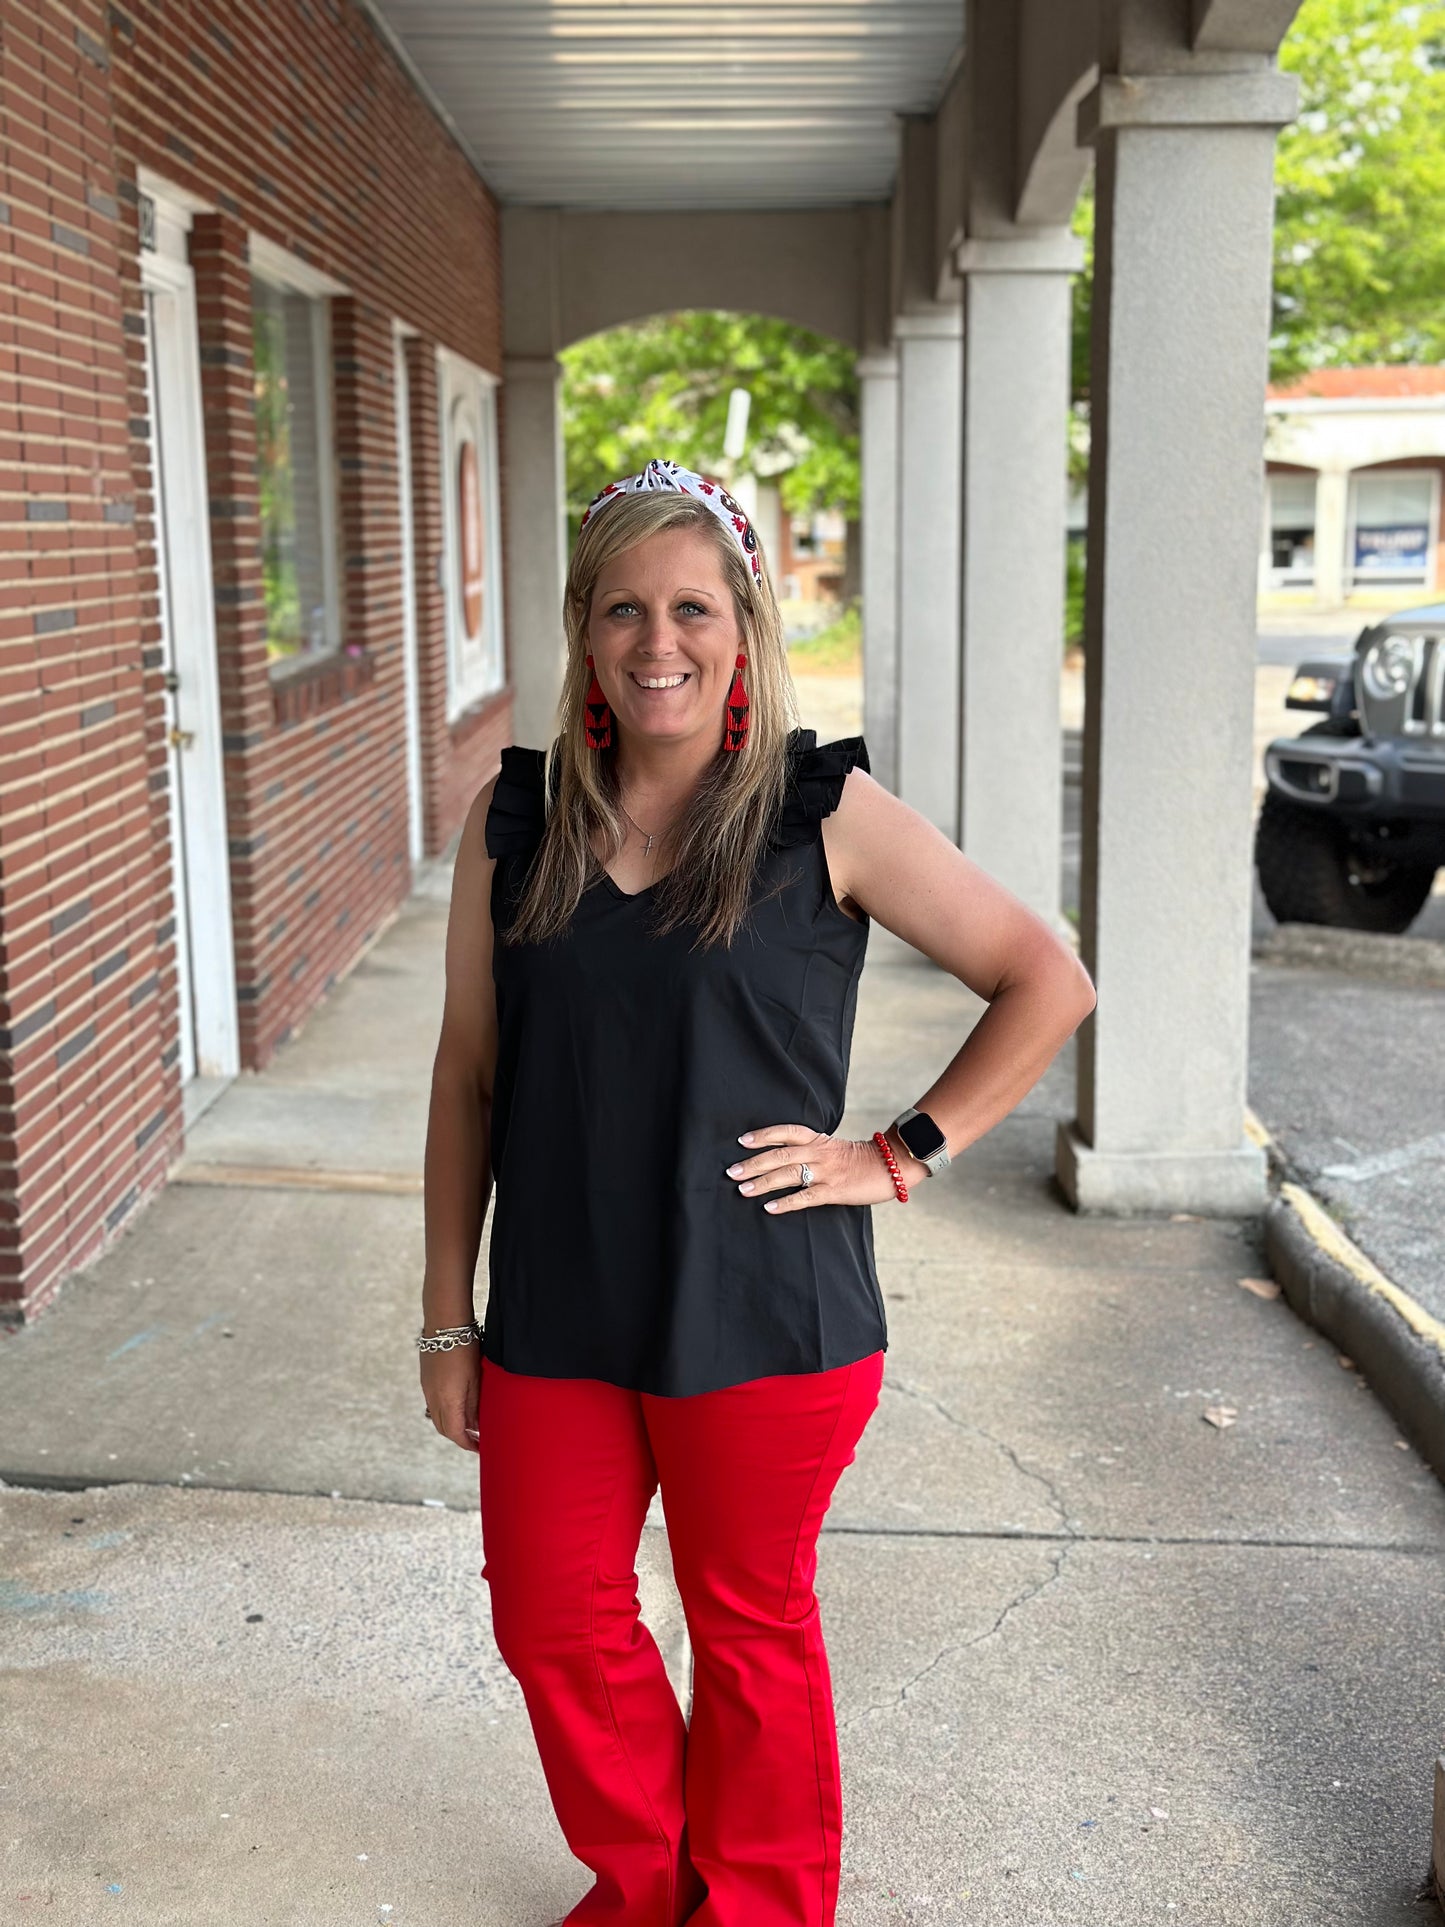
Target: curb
[[1416, 962], [1331, 1284]]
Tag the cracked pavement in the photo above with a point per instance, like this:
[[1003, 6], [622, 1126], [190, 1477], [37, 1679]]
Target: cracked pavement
[[1095, 1661]]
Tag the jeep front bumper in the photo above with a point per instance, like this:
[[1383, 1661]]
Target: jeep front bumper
[[1356, 777]]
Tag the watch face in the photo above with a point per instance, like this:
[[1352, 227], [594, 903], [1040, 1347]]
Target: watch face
[[922, 1136]]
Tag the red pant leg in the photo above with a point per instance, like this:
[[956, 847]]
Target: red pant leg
[[566, 1474], [747, 1474]]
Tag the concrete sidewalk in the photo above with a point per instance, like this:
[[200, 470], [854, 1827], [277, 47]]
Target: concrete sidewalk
[[1096, 1661]]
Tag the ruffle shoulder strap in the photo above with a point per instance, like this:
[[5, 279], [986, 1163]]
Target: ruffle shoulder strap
[[816, 775], [517, 815]]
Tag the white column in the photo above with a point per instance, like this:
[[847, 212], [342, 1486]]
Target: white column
[[930, 444], [767, 520], [878, 437], [1181, 329], [1016, 351], [1332, 496], [536, 541]]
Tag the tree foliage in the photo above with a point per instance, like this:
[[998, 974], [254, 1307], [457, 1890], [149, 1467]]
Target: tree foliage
[[660, 386], [1359, 235], [1359, 262]]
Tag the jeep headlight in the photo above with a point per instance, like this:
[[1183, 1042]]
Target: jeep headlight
[[1388, 667], [1313, 692]]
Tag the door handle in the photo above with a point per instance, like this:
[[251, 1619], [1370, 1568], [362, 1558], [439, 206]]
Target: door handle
[[181, 738]]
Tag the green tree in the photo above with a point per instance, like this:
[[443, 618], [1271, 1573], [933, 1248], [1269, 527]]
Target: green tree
[[660, 386], [1359, 234], [1359, 260]]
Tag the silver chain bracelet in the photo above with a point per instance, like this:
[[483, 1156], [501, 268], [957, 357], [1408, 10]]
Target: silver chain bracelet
[[449, 1337]]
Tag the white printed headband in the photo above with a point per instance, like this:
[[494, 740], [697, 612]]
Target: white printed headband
[[660, 474]]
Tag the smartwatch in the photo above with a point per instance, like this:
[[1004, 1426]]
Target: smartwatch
[[922, 1138]]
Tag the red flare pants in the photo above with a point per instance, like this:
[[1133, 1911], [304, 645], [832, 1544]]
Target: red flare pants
[[734, 1819]]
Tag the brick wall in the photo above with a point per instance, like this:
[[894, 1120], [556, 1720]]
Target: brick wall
[[293, 119]]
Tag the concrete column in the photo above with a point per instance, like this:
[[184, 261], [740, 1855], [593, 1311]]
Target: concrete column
[[1332, 498], [1016, 347], [878, 411], [767, 521], [930, 458], [535, 485], [1181, 324]]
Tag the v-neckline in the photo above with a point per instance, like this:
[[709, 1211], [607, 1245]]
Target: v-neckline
[[631, 896]]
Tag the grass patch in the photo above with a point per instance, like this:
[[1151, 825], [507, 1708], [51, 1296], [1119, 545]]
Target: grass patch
[[838, 647], [1074, 593]]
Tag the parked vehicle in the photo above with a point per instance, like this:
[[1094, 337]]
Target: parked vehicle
[[1352, 827]]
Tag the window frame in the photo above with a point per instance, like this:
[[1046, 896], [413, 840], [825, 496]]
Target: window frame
[[1290, 576], [1357, 579], [471, 681], [279, 269]]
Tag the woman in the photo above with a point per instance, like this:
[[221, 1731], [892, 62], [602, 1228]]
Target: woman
[[652, 963]]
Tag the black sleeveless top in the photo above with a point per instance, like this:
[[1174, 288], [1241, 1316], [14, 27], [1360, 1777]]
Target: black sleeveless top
[[627, 1066]]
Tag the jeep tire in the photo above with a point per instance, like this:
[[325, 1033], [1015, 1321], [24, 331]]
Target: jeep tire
[[1311, 871]]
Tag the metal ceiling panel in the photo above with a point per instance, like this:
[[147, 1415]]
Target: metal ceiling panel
[[644, 104]]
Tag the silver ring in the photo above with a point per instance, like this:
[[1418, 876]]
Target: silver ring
[[805, 1175]]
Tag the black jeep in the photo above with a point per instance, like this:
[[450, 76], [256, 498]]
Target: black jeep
[[1352, 827]]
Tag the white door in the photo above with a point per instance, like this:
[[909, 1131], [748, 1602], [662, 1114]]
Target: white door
[[200, 870]]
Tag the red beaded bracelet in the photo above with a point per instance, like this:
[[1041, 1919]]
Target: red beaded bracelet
[[893, 1171]]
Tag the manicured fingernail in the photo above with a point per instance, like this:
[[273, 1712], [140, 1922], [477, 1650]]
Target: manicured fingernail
[[771, 1205], [733, 1170], [746, 1187], [746, 1138]]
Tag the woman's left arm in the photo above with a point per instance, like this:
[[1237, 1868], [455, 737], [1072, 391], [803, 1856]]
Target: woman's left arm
[[902, 869]]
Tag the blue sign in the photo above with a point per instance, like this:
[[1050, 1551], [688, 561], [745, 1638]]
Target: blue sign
[[1405, 545]]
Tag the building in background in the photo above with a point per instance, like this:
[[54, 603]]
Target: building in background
[[254, 662], [807, 554], [1352, 504], [813, 556], [1352, 501]]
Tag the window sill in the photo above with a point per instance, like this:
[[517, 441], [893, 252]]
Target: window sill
[[478, 711], [309, 687]]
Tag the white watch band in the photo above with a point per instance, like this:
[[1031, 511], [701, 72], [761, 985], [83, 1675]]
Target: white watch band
[[936, 1160]]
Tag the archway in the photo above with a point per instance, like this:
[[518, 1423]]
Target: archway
[[665, 384]]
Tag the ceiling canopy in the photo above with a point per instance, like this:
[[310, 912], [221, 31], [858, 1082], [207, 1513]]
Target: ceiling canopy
[[672, 104]]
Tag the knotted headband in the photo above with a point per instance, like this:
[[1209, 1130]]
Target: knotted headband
[[660, 474]]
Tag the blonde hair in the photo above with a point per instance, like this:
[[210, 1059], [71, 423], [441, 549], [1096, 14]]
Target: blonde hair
[[715, 846]]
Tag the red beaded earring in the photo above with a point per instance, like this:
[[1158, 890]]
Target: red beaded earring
[[597, 717], [735, 726]]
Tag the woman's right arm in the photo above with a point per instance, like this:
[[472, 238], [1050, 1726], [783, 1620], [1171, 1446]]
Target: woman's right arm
[[457, 1178]]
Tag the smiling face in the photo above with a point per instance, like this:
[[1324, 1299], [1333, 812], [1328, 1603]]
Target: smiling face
[[662, 614]]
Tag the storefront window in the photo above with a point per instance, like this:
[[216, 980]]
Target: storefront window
[[1392, 522], [1292, 528], [294, 472]]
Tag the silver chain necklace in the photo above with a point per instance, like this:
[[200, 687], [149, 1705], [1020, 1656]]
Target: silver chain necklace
[[647, 846]]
